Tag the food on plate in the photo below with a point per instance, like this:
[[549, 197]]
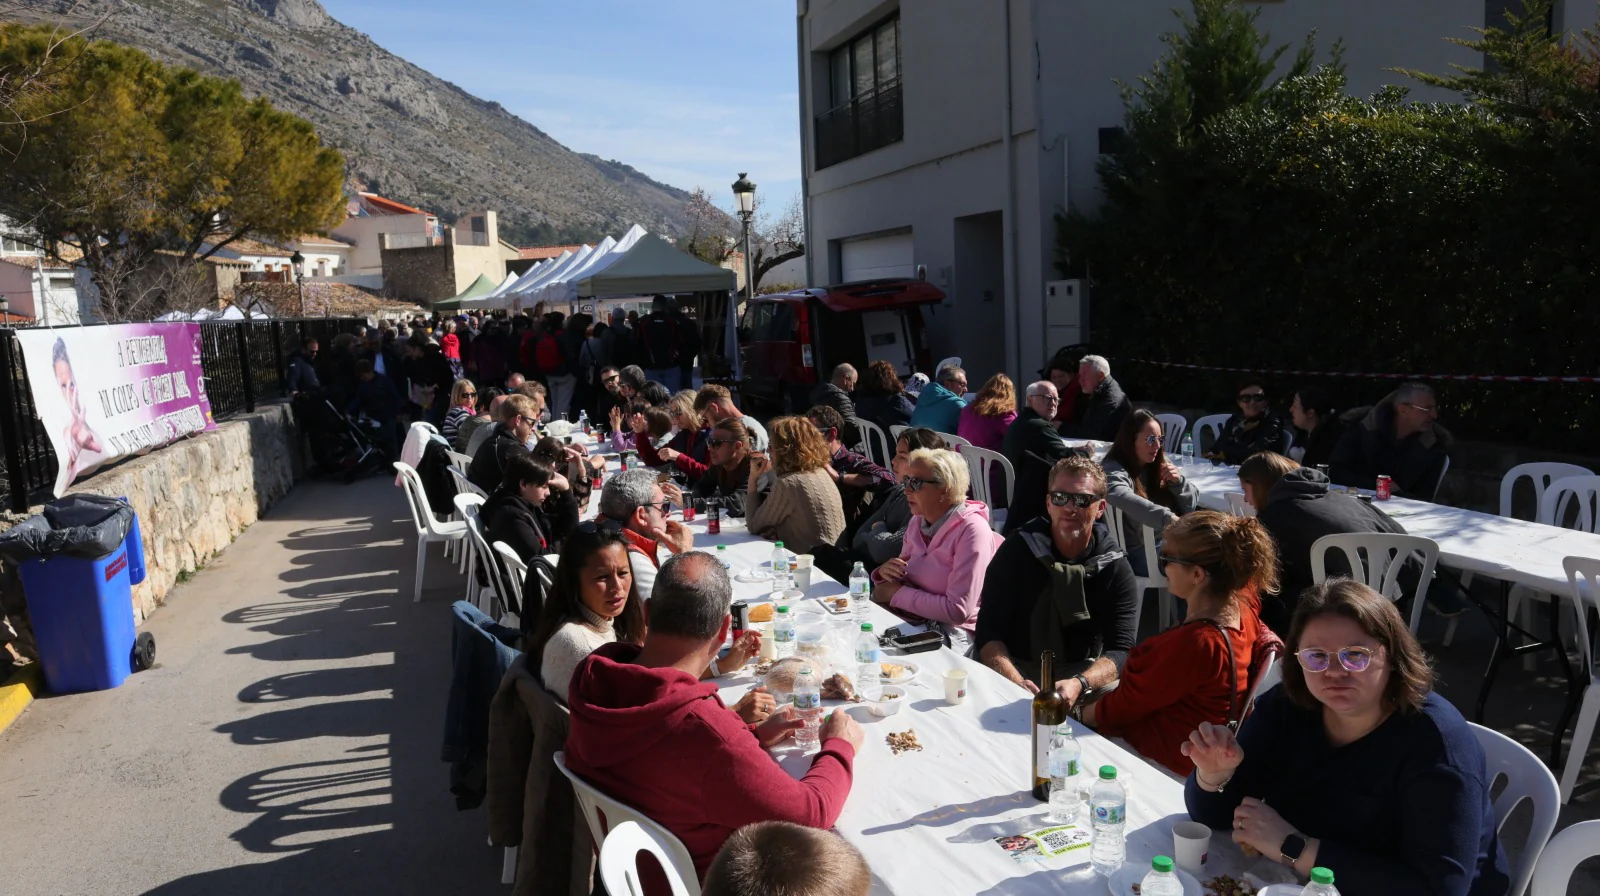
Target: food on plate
[[1223, 885], [761, 612], [765, 666], [902, 741], [840, 603], [839, 687], [893, 671], [887, 697]]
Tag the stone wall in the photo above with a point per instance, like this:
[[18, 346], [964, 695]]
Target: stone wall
[[420, 274], [192, 498]]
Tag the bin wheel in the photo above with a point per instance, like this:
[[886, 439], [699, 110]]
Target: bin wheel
[[144, 651]]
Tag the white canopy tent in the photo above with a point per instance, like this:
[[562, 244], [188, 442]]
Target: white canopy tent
[[532, 274], [505, 284], [564, 290], [654, 265], [526, 291]]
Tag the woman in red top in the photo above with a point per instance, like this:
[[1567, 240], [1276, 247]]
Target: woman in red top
[[450, 344], [1181, 677]]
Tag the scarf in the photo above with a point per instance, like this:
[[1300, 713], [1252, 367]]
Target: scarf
[[1065, 603]]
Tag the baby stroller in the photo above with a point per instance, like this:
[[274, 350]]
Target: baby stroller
[[343, 446]]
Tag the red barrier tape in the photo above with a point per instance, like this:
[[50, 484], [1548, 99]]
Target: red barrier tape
[[1454, 377]]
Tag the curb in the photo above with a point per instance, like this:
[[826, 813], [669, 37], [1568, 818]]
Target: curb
[[17, 692]]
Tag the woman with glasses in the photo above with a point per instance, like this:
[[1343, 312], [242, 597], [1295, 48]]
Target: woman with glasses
[[804, 507], [727, 475], [463, 401], [1199, 670], [591, 602], [479, 417], [1354, 762], [881, 535], [1251, 429], [947, 548], [1144, 485], [984, 422], [686, 450], [880, 398]]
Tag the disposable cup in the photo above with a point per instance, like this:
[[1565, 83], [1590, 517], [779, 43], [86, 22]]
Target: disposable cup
[[955, 686], [1191, 843]]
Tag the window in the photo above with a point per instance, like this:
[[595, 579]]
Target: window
[[770, 322], [864, 96]]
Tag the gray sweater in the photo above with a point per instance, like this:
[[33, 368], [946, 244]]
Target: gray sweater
[[882, 543], [1137, 511]]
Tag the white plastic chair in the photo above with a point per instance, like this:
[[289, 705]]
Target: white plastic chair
[[516, 571], [879, 449], [619, 860], [1143, 583], [1385, 554], [1583, 577], [429, 529], [602, 813], [1237, 505], [1562, 855], [1211, 423], [1556, 506], [953, 441], [1526, 779], [478, 554], [1271, 674], [895, 431], [458, 464], [1173, 426], [981, 463]]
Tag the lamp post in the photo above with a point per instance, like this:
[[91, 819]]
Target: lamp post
[[295, 261], [745, 192]]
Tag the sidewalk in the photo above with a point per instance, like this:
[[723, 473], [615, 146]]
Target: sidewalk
[[286, 742]]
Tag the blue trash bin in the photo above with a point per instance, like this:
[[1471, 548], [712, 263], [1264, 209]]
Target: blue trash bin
[[82, 614]]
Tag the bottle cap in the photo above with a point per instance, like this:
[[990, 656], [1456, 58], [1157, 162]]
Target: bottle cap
[[866, 626], [780, 544], [1108, 773], [805, 670], [783, 608], [1322, 876], [1161, 864]]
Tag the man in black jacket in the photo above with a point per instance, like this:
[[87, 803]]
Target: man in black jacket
[[836, 394], [302, 364], [1399, 437], [510, 439], [1033, 446], [1061, 584], [1103, 405]]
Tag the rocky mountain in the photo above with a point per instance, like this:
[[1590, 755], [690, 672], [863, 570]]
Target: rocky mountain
[[406, 134]]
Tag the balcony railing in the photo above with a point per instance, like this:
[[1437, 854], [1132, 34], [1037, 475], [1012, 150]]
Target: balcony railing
[[870, 121], [409, 240], [471, 238]]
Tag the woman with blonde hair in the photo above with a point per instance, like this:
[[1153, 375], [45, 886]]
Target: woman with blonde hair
[[984, 422], [1198, 671], [687, 448], [803, 507], [463, 404]]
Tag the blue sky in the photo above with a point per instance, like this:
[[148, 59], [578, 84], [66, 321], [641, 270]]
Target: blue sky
[[662, 85]]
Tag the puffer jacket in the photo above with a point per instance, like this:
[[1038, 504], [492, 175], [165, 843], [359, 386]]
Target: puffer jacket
[[1369, 448]]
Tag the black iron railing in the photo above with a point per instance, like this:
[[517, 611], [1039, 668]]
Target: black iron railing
[[243, 362], [870, 121]]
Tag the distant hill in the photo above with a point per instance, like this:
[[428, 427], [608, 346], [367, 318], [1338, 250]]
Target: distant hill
[[407, 135]]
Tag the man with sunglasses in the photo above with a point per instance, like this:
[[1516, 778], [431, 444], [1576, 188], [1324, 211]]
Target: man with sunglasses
[[610, 393], [1399, 437], [511, 438], [1252, 429], [1033, 445], [635, 500], [1061, 584]]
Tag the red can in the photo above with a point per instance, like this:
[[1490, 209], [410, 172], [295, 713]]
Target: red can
[[713, 519], [1385, 488], [688, 512]]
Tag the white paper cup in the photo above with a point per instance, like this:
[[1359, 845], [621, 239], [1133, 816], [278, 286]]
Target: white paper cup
[[802, 578], [955, 686], [769, 648], [1191, 844], [804, 561]]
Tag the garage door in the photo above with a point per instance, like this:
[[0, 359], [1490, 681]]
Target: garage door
[[876, 259]]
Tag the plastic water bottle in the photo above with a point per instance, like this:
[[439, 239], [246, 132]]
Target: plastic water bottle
[[583, 421], [808, 708], [722, 556], [1321, 884], [782, 574], [783, 633], [1065, 753], [1108, 807], [869, 682], [1188, 449], [860, 592], [1159, 880]]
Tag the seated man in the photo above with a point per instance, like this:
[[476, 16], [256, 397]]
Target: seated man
[[836, 394], [1061, 584], [482, 432], [1399, 437], [939, 403], [1101, 407], [634, 499], [778, 857], [856, 476], [646, 729], [715, 403], [509, 439], [1033, 446]]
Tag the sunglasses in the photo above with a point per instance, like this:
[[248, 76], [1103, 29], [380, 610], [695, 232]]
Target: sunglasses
[[611, 379], [1253, 397], [1152, 440], [914, 484], [718, 443], [1075, 499], [1353, 659], [469, 395], [1162, 561]]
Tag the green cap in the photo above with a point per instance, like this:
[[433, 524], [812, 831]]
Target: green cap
[[1108, 773], [780, 544], [1161, 864], [783, 608], [866, 626], [1322, 876]]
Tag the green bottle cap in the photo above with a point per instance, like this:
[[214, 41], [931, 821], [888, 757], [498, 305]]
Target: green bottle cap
[[783, 608], [1161, 864], [780, 544], [1322, 876], [1108, 773], [866, 626]]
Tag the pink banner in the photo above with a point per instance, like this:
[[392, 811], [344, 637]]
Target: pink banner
[[104, 393]]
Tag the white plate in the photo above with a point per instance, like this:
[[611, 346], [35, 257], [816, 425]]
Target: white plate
[[910, 673], [1280, 890], [1121, 883], [753, 574]]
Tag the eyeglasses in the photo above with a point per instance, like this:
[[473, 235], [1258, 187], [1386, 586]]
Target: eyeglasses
[[1353, 659], [1418, 407], [718, 443], [1152, 440], [914, 484], [1075, 499], [1047, 399], [1252, 397]]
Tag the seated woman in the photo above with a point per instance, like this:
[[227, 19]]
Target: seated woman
[[686, 450], [591, 602], [1198, 671], [880, 536], [1317, 426], [881, 399], [1254, 428], [803, 507], [640, 424], [1144, 485], [526, 511], [728, 476], [1354, 763], [984, 422], [479, 417], [948, 545], [463, 403], [569, 487]]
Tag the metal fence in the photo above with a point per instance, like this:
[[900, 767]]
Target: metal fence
[[243, 363]]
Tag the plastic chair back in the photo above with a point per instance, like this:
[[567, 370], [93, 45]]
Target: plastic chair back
[[1541, 475], [1385, 556], [879, 449], [603, 813], [619, 860], [953, 441], [981, 463], [1583, 576], [1526, 779], [1270, 676], [515, 570], [1561, 856], [421, 512], [1173, 426], [1237, 505], [1211, 423], [896, 430], [464, 486], [470, 507], [458, 460], [1556, 505]]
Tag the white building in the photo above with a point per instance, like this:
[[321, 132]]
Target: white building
[[945, 135], [325, 256], [36, 287]]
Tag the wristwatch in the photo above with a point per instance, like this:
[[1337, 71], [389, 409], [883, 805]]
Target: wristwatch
[[1083, 685], [1293, 845]]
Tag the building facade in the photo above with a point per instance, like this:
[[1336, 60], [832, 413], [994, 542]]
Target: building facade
[[941, 137]]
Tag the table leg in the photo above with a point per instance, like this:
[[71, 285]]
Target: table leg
[[1575, 687], [1502, 640]]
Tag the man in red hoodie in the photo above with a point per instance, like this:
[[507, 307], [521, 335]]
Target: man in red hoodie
[[647, 730]]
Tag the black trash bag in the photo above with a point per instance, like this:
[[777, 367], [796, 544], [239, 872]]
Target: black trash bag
[[84, 526]]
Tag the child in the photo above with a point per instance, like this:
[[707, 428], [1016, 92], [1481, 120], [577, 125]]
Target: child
[[775, 857]]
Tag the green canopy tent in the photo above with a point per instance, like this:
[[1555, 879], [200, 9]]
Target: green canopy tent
[[479, 288], [652, 266]]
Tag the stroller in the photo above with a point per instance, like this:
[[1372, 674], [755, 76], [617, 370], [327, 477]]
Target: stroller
[[341, 445]]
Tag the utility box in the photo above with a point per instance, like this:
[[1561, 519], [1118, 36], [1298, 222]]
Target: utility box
[[1066, 313]]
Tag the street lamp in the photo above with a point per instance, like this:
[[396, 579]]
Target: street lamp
[[295, 261], [745, 193]]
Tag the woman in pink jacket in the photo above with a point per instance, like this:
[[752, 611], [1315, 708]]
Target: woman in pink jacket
[[939, 573], [984, 422]]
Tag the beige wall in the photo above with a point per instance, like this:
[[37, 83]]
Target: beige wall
[[366, 257]]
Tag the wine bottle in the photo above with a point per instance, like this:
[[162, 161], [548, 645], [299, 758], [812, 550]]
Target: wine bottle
[[1049, 710]]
